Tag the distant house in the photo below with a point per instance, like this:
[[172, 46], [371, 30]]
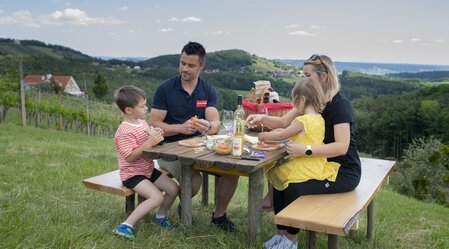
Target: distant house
[[67, 83]]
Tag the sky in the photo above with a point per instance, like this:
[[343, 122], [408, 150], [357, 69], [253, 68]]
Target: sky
[[388, 31]]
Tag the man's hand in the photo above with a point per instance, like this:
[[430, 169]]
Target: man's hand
[[202, 125], [187, 128]]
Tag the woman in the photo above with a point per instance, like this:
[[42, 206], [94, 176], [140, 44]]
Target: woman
[[339, 146]]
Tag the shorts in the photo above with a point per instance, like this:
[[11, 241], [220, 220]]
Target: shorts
[[134, 180], [174, 167]]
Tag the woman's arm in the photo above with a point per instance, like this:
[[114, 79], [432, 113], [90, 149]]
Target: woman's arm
[[339, 147]]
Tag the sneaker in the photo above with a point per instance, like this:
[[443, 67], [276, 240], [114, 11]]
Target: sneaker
[[163, 222], [273, 241], [178, 209], [285, 243], [125, 231], [224, 223]]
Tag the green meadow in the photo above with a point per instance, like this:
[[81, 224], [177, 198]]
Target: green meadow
[[43, 204]]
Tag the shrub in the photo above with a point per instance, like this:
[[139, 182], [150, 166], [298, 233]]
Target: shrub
[[424, 170]]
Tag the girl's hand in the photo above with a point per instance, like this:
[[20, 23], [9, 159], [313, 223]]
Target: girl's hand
[[262, 136], [253, 120], [296, 149]]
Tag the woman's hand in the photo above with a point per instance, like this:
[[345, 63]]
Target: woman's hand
[[296, 149], [253, 120]]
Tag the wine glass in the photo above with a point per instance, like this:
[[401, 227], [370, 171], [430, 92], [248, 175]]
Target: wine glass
[[264, 111], [227, 120]]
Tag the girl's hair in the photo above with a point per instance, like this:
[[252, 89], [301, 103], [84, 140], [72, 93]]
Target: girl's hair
[[324, 64], [128, 96], [312, 91]]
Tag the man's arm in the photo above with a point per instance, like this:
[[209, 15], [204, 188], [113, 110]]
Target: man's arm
[[214, 120], [157, 119]]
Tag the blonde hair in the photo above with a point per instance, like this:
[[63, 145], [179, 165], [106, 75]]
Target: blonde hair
[[323, 64], [312, 91]]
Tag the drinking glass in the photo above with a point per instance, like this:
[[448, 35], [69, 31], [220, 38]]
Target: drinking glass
[[227, 120], [263, 111]]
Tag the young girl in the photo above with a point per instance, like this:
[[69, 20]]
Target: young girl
[[308, 128], [136, 170]]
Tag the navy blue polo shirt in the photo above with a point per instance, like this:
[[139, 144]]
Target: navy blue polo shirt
[[180, 106]]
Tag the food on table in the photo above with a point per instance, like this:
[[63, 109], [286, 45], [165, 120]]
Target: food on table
[[192, 142], [267, 147], [223, 146]]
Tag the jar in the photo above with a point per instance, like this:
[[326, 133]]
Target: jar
[[223, 146]]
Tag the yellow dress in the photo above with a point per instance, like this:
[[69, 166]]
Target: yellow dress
[[302, 169]]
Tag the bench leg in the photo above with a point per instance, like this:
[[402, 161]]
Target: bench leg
[[129, 204], [311, 240], [332, 241], [370, 220], [205, 189]]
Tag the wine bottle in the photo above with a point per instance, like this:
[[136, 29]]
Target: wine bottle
[[239, 129]]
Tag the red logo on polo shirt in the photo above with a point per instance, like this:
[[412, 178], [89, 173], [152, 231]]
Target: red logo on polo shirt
[[201, 103]]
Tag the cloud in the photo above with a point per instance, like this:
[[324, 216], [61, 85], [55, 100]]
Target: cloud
[[1, 11], [291, 26], [415, 40], [220, 32], [124, 8], [301, 33], [68, 16], [317, 27], [192, 19], [439, 40], [165, 30], [173, 19], [398, 41]]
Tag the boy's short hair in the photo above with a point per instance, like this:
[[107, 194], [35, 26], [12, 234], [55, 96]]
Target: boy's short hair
[[128, 96]]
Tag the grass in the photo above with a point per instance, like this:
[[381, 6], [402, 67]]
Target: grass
[[43, 204]]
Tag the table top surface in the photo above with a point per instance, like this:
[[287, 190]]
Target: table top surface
[[206, 158]]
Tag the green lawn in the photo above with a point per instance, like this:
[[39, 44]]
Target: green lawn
[[43, 204]]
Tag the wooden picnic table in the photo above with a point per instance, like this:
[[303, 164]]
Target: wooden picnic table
[[208, 161]]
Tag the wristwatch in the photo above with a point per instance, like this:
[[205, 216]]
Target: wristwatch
[[309, 151]]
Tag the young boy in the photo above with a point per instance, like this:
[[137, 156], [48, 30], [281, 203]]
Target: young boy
[[136, 170]]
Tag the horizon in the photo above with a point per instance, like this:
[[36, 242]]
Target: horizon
[[394, 32]]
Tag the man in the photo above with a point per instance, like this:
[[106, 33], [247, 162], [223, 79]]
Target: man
[[175, 102]]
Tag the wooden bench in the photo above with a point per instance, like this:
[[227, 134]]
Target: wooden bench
[[110, 183], [336, 214]]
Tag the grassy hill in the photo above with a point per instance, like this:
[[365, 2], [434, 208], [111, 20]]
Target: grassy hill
[[43, 204]]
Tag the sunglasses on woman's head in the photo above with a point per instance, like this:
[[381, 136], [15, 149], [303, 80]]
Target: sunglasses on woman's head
[[316, 56]]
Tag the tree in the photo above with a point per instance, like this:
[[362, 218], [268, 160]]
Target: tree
[[101, 87]]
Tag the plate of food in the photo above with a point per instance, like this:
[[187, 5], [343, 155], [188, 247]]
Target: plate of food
[[267, 147], [192, 142]]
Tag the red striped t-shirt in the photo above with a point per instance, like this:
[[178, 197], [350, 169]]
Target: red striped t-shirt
[[127, 138]]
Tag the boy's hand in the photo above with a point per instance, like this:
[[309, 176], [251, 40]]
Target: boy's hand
[[155, 136]]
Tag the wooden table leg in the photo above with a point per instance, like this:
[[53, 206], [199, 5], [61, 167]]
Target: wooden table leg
[[332, 241], [311, 240], [255, 195], [370, 220], [186, 195], [205, 189]]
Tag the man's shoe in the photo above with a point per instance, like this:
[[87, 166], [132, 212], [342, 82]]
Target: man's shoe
[[163, 222], [224, 223], [125, 231]]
